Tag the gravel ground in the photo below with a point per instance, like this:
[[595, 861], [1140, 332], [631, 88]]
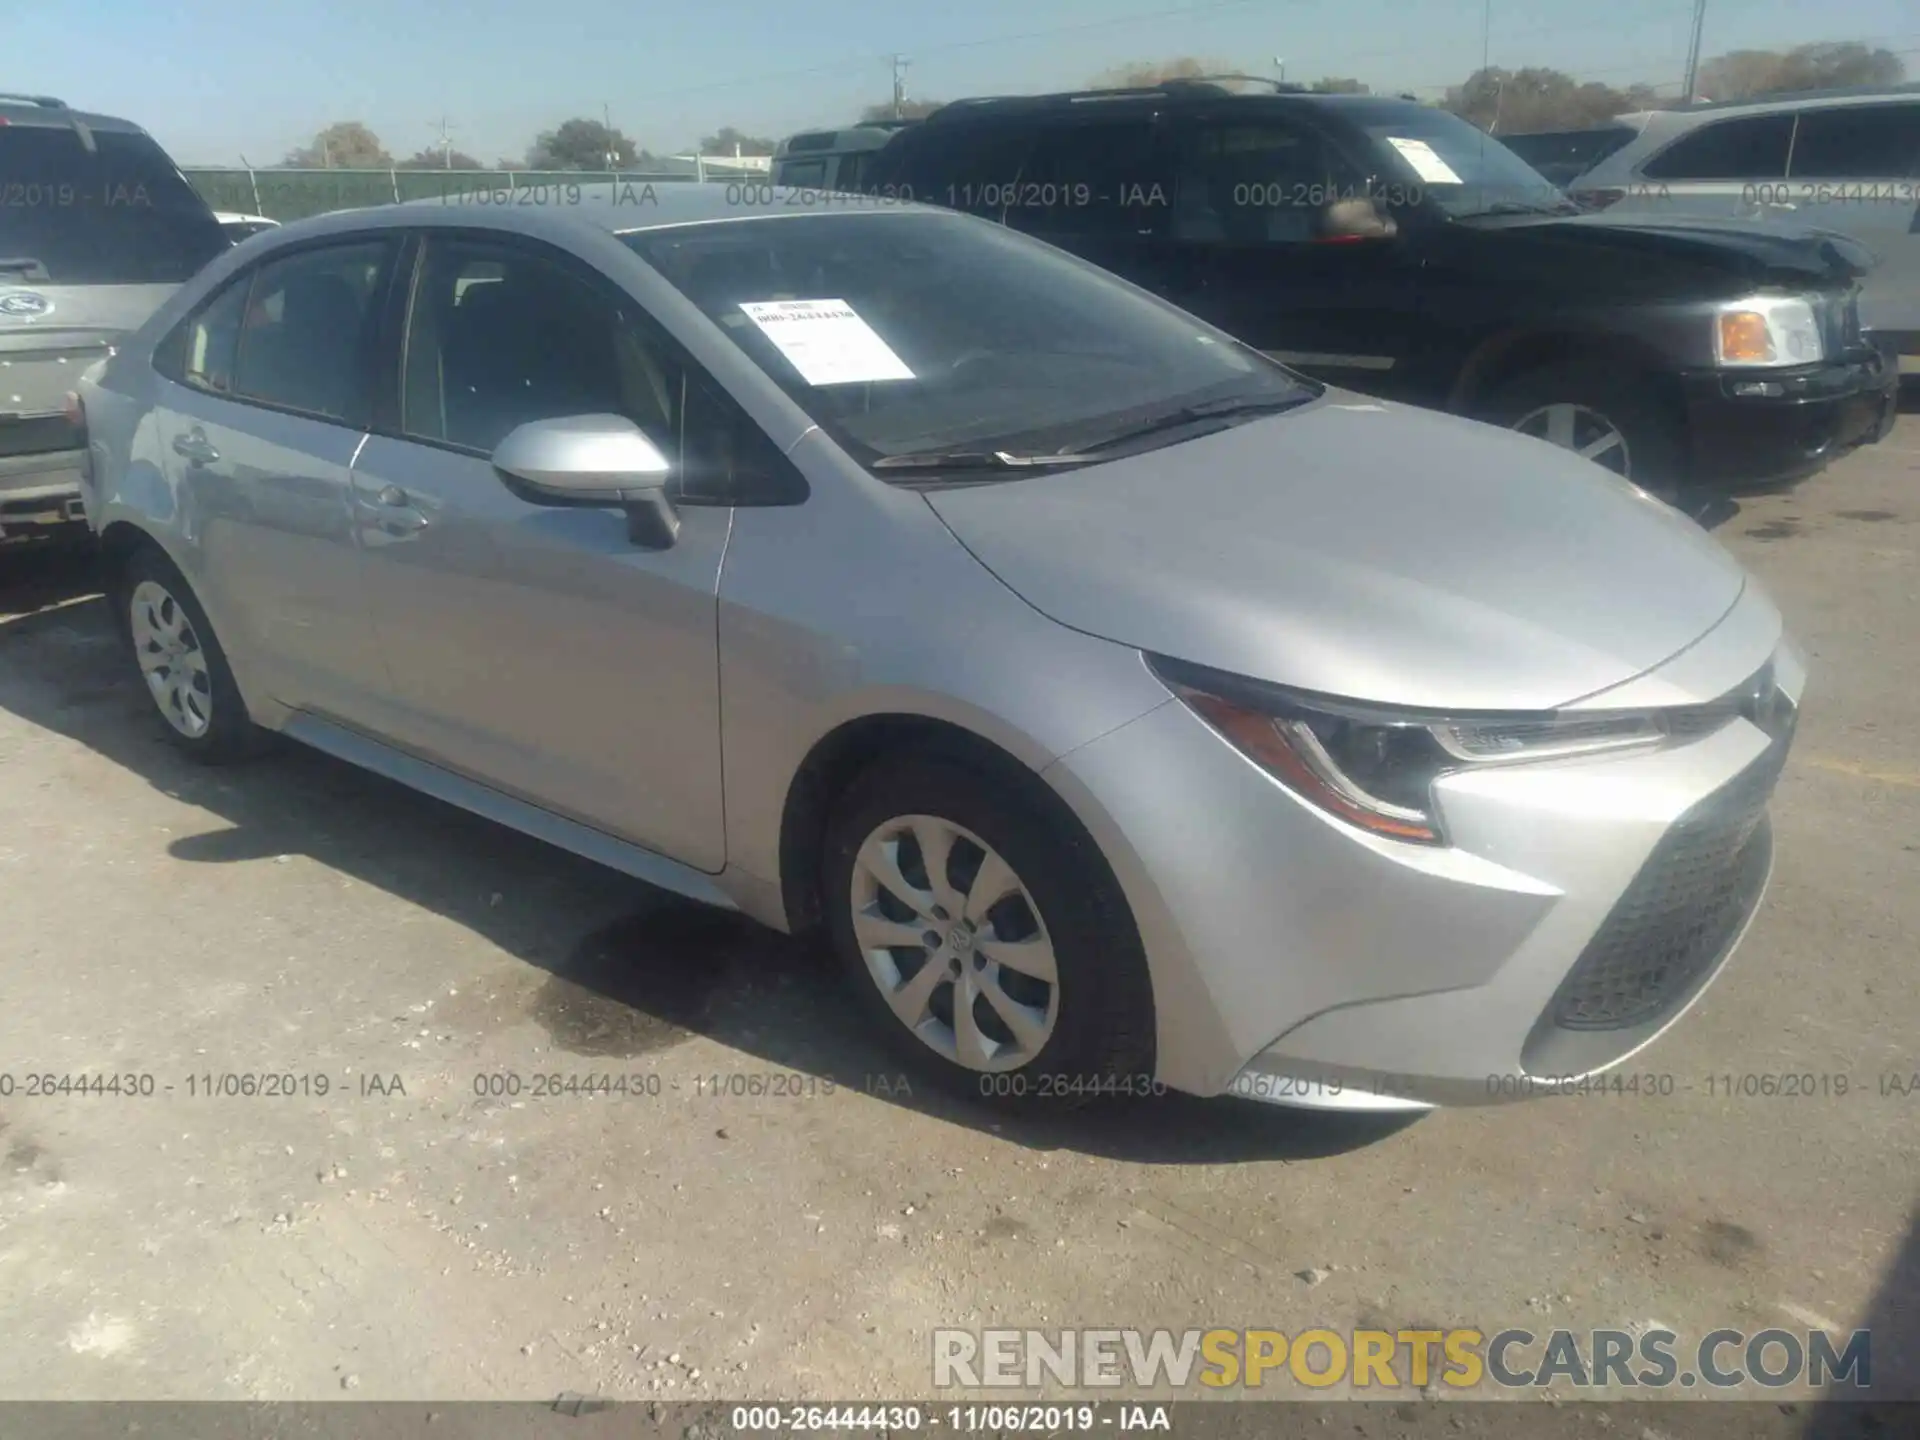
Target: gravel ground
[[768, 1211]]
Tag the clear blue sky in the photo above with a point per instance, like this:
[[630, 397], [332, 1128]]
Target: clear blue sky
[[214, 81]]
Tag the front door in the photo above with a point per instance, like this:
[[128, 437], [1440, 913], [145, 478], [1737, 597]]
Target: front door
[[537, 649], [1248, 228]]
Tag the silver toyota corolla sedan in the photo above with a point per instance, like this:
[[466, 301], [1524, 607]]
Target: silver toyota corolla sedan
[[1129, 711]]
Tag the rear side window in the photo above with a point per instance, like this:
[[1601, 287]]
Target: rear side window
[[1751, 149], [1858, 142], [969, 167], [120, 214], [803, 172], [1093, 179], [304, 338]]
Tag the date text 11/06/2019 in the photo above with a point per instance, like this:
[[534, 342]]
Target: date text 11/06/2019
[[1662, 1085]]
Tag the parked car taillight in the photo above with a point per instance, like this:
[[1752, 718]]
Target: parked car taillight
[[1595, 199]]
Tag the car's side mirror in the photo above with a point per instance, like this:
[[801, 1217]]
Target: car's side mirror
[[1358, 219], [592, 460]]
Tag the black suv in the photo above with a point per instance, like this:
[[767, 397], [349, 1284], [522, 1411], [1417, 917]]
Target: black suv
[[1394, 248], [97, 227]]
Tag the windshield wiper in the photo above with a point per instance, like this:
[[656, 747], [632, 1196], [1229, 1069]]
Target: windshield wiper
[[1521, 207], [1227, 409], [975, 460], [24, 266]]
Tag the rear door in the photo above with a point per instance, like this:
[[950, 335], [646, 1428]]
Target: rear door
[[1856, 169], [96, 229], [1246, 232], [269, 389]]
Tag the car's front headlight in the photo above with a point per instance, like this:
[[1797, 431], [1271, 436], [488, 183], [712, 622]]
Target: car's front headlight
[[1764, 330], [1375, 768]]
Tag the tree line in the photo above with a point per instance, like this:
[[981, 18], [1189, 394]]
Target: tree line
[[1500, 100]]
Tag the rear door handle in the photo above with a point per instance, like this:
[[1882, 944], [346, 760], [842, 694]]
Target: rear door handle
[[195, 446]]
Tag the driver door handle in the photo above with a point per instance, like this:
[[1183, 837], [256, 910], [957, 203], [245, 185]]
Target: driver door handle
[[195, 446]]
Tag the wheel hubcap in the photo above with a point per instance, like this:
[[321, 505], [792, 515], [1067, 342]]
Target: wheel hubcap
[[171, 660], [1584, 431], [955, 943]]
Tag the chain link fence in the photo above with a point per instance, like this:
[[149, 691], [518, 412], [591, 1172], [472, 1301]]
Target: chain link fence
[[295, 194]]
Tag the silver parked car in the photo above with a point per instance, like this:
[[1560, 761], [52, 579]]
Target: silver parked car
[[1841, 161], [1130, 710], [97, 227]]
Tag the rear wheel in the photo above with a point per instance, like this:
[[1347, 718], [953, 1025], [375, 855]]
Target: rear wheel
[[181, 663], [1609, 415], [985, 938]]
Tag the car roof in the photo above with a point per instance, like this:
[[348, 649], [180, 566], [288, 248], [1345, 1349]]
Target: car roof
[[46, 112], [615, 207], [1168, 94]]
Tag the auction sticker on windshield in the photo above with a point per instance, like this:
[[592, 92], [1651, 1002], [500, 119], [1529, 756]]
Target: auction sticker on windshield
[[1425, 160], [827, 341]]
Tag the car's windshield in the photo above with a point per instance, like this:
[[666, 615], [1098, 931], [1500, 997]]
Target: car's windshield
[[908, 332], [1464, 170]]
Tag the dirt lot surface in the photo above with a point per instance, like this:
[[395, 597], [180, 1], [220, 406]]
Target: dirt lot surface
[[766, 1213]]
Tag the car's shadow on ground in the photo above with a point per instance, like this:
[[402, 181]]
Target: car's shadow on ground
[[631, 971]]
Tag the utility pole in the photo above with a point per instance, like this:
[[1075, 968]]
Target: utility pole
[[1693, 50], [900, 64], [446, 144], [1280, 65]]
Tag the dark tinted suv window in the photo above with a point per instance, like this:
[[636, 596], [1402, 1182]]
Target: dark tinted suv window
[[1858, 142], [120, 214], [964, 167], [1750, 149], [1108, 178]]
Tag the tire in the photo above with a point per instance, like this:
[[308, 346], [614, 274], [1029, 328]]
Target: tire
[[1087, 1034], [181, 665], [1651, 448]]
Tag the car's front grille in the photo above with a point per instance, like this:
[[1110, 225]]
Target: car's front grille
[[1687, 903]]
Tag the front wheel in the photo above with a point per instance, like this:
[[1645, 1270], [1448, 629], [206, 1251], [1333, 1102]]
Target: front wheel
[[1607, 415], [986, 939]]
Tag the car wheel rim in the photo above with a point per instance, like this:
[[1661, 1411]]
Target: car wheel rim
[[171, 659], [955, 943], [1585, 431]]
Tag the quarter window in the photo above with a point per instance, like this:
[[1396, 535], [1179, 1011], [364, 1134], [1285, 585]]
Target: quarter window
[[1858, 142]]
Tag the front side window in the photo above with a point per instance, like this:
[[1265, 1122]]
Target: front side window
[[499, 336], [118, 214], [1754, 148], [1858, 142], [304, 337], [1258, 183], [905, 331]]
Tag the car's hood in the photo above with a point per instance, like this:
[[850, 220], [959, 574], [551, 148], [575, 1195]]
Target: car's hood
[[1774, 252], [1366, 550]]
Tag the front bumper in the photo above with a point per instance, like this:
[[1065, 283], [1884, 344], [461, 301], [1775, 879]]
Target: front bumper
[[1761, 427], [1299, 961]]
